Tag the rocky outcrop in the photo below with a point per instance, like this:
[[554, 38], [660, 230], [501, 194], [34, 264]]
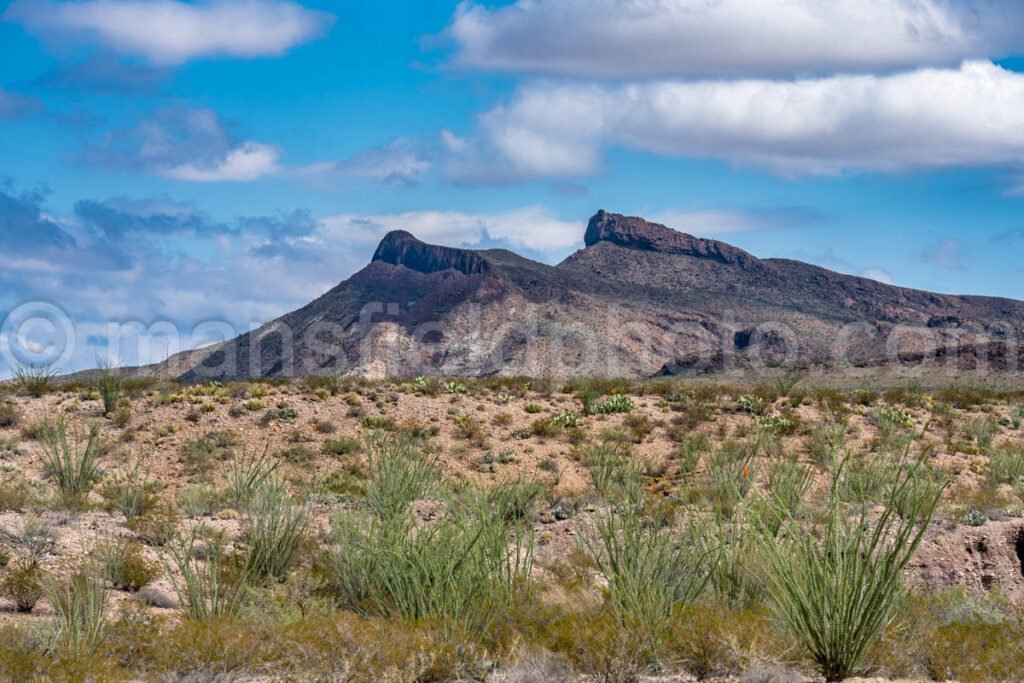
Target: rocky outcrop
[[639, 300], [399, 248], [636, 233]]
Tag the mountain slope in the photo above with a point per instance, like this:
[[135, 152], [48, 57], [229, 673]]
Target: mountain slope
[[640, 299]]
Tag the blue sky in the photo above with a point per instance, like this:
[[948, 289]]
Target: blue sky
[[228, 160]]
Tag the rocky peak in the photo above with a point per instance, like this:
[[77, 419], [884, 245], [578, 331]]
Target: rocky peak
[[400, 248], [636, 233]]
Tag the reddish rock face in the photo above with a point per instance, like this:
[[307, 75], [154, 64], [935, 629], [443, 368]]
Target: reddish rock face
[[636, 233], [400, 248]]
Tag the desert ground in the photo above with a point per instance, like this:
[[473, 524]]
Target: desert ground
[[509, 529]]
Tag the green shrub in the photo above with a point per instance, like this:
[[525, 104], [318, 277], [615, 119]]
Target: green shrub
[[825, 442], [865, 479], [123, 564], [457, 572], [80, 606], [10, 415], [285, 414], [156, 527], [35, 380], [613, 404], [71, 460], [198, 501], [398, 475], [729, 477], [273, 527], [207, 589], [838, 593], [131, 493], [200, 455], [23, 584], [298, 455], [343, 446], [649, 570], [109, 387], [983, 431], [250, 471], [1006, 466], [613, 476]]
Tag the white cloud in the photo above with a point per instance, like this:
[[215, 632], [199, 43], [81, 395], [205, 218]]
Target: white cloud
[[186, 144], [248, 161], [877, 274], [531, 227], [925, 119], [169, 32], [698, 38], [400, 162]]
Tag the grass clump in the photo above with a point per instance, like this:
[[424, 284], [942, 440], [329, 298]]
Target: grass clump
[[208, 588], [650, 571], [1006, 466], [457, 572], [838, 593], [250, 471], [71, 460], [398, 475], [123, 564], [109, 387], [274, 527], [35, 380], [80, 607], [131, 493]]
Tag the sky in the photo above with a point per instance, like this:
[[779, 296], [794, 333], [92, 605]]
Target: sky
[[173, 173]]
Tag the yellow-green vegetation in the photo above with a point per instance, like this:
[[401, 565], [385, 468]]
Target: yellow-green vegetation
[[455, 529]]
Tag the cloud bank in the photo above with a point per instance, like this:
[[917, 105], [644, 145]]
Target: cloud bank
[[920, 120], [731, 38], [169, 32]]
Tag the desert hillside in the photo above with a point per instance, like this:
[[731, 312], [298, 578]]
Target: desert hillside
[[502, 529]]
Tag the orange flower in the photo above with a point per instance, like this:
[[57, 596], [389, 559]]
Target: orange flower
[[746, 473]]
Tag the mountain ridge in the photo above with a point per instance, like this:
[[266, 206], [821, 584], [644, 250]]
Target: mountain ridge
[[639, 299]]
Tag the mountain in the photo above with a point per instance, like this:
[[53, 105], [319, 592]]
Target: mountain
[[640, 299]]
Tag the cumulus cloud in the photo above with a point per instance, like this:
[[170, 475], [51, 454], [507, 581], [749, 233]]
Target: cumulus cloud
[[170, 32], [248, 161], [531, 227], [925, 119], [185, 144], [404, 161], [718, 222], [699, 38]]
